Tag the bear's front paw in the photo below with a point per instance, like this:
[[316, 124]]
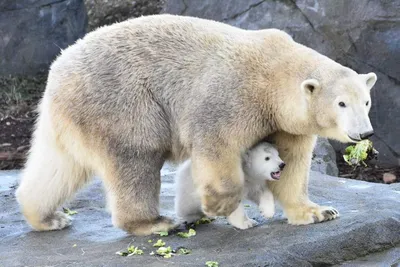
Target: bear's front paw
[[220, 204], [303, 215]]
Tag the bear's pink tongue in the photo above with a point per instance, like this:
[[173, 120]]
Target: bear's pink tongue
[[276, 175]]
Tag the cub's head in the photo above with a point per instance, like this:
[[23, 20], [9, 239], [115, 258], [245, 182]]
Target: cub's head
[[263, 162], [340, 107]]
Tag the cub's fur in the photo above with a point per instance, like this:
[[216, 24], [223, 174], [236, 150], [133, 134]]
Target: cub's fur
[[129, 96], [260, 163]]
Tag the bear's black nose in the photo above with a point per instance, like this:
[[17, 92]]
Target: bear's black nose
[[366, 135], [282, 165]]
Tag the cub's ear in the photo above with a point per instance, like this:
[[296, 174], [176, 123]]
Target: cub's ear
[[310, 86], [370, 79]]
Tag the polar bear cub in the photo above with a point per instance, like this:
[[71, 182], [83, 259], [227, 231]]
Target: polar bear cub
[[260, 163]]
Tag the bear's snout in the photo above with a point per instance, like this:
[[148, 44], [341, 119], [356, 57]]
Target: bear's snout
[[366, 135]]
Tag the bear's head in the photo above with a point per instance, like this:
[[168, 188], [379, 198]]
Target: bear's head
[[339, 107]]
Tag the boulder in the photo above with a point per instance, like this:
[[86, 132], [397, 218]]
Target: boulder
[[32, 33], [369, 223], [105, 12], [324, 158], [360, 34]]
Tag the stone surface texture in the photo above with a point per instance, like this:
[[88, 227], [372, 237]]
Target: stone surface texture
[[324, 158], [32, 33], [104, 12], [369, 223], [361, 34]]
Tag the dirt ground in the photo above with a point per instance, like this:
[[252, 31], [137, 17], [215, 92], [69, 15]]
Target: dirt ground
[[372, 173]]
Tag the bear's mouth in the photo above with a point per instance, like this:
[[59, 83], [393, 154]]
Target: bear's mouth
[[354, 139], [276, 175]]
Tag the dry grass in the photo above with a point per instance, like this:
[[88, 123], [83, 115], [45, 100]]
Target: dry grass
[[18, 92]]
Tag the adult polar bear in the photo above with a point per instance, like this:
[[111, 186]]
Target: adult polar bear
[[129, 96]]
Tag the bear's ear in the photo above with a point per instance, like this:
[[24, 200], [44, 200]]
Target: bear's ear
[[370, 79], [309, 86]]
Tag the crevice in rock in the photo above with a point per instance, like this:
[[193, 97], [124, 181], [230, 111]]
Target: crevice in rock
[[305, 17], [185, 7], [352, 41], [31, 7], [244, 11], [387, 145], [395, 80]]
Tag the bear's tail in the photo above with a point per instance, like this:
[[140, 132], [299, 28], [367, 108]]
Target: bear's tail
[[50, 177]]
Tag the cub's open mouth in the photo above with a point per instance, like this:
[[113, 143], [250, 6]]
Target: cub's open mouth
[[276, 175]]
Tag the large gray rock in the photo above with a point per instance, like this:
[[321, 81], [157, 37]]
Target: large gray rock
[[361, 34], [369, 222], [324, 158], [105, 12], [32, 33]]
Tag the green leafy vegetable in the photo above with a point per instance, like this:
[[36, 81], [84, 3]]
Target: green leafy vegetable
[[159, 243], [166, 252], [204, 220], [150, 241], [247, 205], [184, 251], [212, 264], [132, 250], [191, 232], [162, 233], [69, 212], [357, 154]]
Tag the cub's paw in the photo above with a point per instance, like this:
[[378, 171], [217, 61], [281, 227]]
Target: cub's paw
[[267, 211], [220, 203], [303, 215], [143, 228], [56, 221], [244, 224]]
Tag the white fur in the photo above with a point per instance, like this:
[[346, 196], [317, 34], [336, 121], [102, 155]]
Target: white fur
[[256, 169], [59, 174]]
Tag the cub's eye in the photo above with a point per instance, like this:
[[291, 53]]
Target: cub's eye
[[342, 104], [267, 158], [367, 103]]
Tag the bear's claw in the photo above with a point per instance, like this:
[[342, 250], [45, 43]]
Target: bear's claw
[[330, 214], [304, 215], [57, 221]]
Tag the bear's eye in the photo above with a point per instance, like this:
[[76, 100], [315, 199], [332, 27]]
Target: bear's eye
[[367, 103], [267, 158], [342, 104]]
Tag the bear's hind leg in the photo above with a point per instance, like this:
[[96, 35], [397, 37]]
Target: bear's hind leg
[[133, 187], [50, 177]]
